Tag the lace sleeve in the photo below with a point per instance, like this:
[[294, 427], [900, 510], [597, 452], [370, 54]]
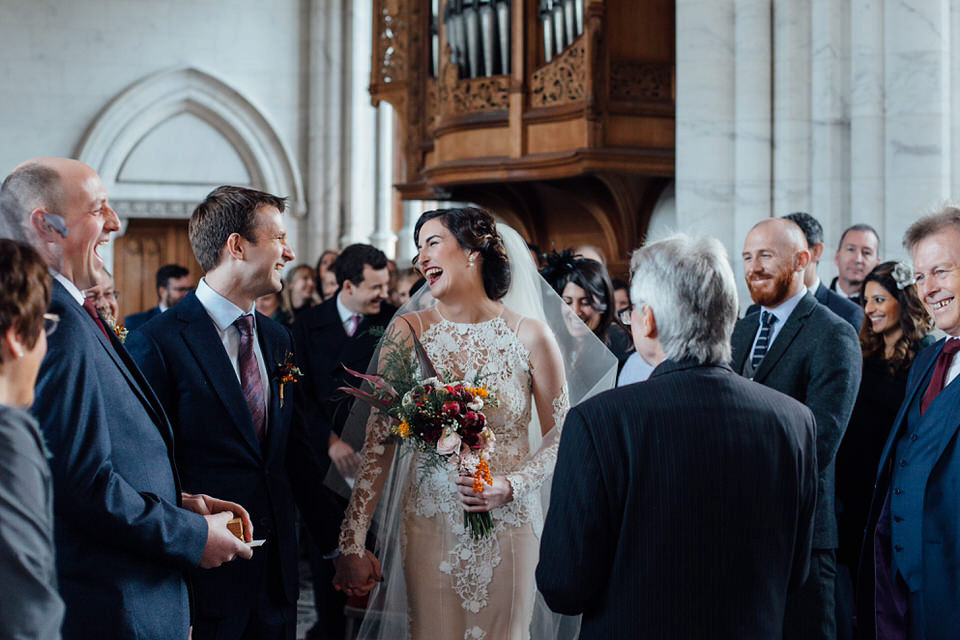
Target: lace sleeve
[[375, 459], [531, 473]]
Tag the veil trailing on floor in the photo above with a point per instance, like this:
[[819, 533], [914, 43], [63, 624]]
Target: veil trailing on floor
[[589, 367]]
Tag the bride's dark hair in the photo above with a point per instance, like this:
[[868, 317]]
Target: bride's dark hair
[[476, 230]]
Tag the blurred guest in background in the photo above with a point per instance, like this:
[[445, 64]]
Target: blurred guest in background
[[299, 287], [105, 297], [29, 603], [271, 305], [585, 286], [621, 294], [590, 252], [326, 279], [173, 283], [405, 281], [857, 255], [896, 330]]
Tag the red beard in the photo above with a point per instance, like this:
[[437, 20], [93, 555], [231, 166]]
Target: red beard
[[771, 296]]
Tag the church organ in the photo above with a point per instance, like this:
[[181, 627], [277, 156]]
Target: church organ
[[558, 115]]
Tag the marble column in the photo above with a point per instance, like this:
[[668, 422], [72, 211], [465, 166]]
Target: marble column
[[866, 88], [359, 164], [705, 117], [383, 236], [791, 107], [829, 128], [917, 123], [325, 126]]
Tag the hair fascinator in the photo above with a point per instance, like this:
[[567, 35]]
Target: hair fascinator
[[902, 275]]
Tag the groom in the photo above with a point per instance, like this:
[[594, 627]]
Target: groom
[[682, 507], [221, 371]]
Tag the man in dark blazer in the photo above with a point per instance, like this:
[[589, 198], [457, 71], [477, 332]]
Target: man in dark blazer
[[795, 345], [682, 506], [123, 540], [224, 375], [910, 564], [857, 254], [840, 305], [173, 283], [340, 333]]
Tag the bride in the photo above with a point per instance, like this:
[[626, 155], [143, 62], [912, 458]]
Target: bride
[[483, 313]]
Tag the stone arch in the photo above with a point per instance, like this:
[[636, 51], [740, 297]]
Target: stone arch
[[157, 99]]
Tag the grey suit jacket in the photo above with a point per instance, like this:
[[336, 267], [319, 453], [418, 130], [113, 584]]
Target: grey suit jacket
[[30, 606], [815, 359]]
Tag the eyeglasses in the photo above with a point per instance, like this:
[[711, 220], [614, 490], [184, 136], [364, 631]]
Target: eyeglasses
[[108, 295], [50, 323], [624, 315]]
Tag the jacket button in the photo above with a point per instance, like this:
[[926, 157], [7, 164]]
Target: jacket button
[[898, 518], [913, 437], [898, 491], [898, 547], [262, 522], [903, 463]]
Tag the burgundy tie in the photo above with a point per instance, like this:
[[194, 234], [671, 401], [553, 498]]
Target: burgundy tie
[[89, 307], [951, 346], [354, 324], [250, 375]]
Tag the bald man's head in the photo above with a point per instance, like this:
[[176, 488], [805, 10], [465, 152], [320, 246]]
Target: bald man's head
[[60, 205], [775, 256]]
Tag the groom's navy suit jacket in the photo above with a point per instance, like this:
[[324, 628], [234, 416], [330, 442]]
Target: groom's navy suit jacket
[[681, 507], [920, 469], [217, 450], [122, 541], [815, 359]]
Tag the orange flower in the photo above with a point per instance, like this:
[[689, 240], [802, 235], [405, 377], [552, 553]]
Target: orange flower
[[481, 475], [479, 392], [402, 429]]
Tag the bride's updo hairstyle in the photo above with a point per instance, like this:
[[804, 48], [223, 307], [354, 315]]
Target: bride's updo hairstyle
[[475, 230]]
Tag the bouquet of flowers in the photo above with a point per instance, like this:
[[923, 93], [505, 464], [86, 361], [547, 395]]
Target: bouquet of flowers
[[436, 415]]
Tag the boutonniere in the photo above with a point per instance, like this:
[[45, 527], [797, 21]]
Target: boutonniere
[[287, 372], [118, 328]]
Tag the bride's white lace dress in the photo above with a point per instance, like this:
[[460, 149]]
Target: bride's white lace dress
[[458, 586]]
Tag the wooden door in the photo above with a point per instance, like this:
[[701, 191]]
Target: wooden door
[[145, 247]]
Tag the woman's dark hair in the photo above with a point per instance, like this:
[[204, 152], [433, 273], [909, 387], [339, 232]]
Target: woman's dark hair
[[476, 230], [563, 268], [25, 289], [914, 320]]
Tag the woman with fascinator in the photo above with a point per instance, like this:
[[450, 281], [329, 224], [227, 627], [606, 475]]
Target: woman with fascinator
[[895, 329], [585, 286], [483, 312]]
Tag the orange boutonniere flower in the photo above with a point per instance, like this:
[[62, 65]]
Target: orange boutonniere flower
[[287, 373]]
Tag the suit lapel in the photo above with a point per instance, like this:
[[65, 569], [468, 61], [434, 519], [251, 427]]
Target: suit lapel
[[786, 336], [920, 381], [272, 357], [821, 294], [743, 339], [203, 340]]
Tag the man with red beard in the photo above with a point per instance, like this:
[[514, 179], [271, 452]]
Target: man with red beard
[[799, 347]]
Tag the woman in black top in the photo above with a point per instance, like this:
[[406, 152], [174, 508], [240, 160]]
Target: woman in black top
[[894, 330]]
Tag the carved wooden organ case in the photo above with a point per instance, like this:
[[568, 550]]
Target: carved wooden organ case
[[558, 115]]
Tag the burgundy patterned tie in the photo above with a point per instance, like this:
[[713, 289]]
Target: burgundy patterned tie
[[250, 374], [950, 347], [89, 307]]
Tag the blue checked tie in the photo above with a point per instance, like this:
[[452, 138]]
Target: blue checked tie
[[763, 341]]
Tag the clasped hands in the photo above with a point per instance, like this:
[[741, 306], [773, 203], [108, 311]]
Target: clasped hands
[[358, 575], [221, 546]]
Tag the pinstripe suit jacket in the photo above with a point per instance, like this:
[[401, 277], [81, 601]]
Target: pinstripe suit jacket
[[681, 507]]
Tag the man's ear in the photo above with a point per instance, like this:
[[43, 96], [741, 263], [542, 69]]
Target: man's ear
[[11, 344], [648, 323], [801, 260], [235, 246], [49, 227], [816, 252]]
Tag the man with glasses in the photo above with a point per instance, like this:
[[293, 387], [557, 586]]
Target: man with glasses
[[173, 283], [125, 532], [910, 562]]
